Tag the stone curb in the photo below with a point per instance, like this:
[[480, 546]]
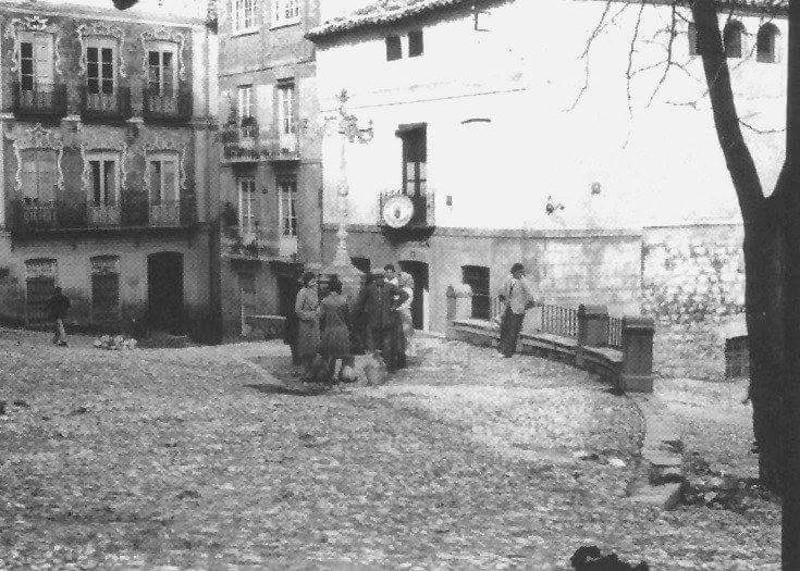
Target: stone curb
[[663, 480]]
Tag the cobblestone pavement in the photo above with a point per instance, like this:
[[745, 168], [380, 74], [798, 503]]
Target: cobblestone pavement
[[214, 457]]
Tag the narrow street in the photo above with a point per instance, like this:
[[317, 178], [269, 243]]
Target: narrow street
[[201, 457]]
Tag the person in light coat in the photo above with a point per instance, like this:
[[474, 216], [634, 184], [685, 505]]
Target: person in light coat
[[307, 309], [517, 298]]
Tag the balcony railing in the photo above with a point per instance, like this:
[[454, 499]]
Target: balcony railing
[[35, 213], [106, 215], [36, 216], [247, 143], [166, 214], [168, 107], [40, 100], [102, 107]]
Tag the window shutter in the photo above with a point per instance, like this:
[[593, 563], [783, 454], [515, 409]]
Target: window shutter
[[415, 44], [155, 182], [394, 49], [170, 191], [110, 174], [43, 58]]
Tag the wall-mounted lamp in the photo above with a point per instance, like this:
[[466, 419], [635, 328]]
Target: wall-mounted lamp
[[550, 207]]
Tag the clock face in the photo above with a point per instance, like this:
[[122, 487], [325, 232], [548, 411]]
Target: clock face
[[397, 211]]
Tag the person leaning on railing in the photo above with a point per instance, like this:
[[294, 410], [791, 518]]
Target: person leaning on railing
[[517, 298]]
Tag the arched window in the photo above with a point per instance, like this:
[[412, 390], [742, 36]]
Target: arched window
[[766, 45], [732, 38]]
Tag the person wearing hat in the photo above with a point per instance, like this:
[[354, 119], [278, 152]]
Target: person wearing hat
[[378, 303], [516, 296]]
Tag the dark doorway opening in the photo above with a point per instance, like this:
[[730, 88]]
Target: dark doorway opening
[[418, 271], [165, 291], [288, 281]]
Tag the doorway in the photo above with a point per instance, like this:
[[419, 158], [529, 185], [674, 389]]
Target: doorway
[[418, 271], [165, 291]]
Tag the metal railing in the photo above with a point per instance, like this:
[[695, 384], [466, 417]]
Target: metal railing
[[35, 213], [615, 332], [166, 213], [102, 106], [39, 99], [133, 210], [562, 321], [159, 105]]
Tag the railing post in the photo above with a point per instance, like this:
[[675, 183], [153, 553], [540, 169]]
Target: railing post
[[459, 303], [592, 325], [637, 354]]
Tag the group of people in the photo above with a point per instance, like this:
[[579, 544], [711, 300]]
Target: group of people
[[328, 330]]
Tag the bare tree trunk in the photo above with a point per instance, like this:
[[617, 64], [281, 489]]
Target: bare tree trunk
[[762, 251], [790, 195], [762, 255]]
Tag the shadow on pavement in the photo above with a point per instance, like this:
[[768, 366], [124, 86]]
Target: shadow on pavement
[[279, 390]]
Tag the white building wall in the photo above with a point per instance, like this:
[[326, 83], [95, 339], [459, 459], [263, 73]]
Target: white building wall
[[656, 163]]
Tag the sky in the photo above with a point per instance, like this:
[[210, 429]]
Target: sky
[[190, 8]]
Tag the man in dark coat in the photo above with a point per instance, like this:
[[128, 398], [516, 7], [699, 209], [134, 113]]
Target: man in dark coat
[[378, 303], [57, 307]]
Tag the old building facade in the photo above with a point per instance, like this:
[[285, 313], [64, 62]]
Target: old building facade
[[271, 169], [503, 134], [109, 164]]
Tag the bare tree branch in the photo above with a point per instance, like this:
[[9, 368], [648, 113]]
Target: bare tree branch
[[596, 32], [669, 61], [631, 51]]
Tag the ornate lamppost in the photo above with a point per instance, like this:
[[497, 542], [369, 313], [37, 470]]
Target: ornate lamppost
[[349, 132]]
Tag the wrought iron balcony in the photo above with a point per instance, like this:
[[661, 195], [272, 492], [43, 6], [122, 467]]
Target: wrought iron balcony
[[419, 225], [167, 213], [34, 216], [159, 106], [245, 143], [39, 100], [106, 107]]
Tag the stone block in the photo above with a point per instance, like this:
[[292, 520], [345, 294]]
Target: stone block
[[664, 459], [665, 497]]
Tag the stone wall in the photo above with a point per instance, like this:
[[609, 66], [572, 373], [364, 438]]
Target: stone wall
[[693, 273], [566, 267]]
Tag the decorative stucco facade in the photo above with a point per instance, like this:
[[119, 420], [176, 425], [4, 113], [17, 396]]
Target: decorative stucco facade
[[109, 165], [271, 173], [536, 148]]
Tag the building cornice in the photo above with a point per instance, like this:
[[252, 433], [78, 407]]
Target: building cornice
[[390, 12]]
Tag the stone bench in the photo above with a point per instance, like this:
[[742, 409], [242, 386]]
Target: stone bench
[[629, 368]]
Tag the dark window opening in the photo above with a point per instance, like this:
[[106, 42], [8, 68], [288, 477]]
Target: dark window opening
[[105, 295], [415, 44], [26, 65], [732, 39], [394, 49], [415, 157], [477, 277], [765, 43]]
